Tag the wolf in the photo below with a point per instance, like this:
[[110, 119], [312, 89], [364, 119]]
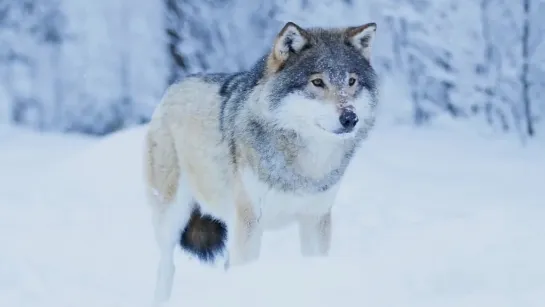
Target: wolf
[[231, 155]]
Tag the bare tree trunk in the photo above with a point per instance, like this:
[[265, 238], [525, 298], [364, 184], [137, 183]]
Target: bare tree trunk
[[524, 78], [173, 17]]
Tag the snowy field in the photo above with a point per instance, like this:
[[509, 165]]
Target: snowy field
[[425, 218]]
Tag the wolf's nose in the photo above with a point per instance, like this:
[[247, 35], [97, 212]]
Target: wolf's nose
[[348, 119]]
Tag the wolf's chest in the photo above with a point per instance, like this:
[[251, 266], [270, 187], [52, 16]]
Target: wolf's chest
[[277, 207], [313, 168]]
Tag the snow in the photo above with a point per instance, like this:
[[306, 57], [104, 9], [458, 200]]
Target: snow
[[435, 217]]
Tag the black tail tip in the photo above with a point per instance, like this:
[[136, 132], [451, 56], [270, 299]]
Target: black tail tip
[[204, 236]]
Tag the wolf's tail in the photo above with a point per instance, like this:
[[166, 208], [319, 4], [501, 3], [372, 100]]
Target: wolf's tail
[[204, 236]]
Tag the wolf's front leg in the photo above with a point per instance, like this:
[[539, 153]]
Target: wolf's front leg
[[315, 234], [246, 240]]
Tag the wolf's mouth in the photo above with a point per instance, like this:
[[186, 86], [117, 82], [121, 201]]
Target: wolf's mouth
[[339, 131], [343, 130]]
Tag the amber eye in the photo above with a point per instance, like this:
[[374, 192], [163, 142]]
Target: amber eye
[[351, 81], [318, 82]]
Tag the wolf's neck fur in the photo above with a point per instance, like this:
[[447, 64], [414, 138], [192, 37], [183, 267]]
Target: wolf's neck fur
[[289, 162]]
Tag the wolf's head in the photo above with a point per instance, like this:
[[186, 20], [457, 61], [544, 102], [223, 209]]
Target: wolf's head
[[320, 81]]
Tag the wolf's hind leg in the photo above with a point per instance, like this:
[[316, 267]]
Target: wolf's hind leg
[[165, 271], [169, 202], [315, 234], [168, 222]]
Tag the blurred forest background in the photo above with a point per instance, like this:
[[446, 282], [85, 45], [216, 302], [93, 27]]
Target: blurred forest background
[[98, 66]]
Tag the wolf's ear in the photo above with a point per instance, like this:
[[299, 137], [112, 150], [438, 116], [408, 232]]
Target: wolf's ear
[[362, 38], [289, 41]]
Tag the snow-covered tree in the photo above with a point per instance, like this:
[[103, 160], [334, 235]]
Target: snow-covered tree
[[99, 66], [218, 36], [31, 33], [113, 68], [513, 32]]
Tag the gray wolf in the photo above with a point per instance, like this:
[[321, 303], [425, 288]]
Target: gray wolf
[[228, 156]]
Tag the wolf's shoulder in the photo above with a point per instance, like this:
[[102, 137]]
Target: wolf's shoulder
[[216, 78]]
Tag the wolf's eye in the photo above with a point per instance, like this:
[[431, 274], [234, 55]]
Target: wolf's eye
[[318, 83], [351, 81]]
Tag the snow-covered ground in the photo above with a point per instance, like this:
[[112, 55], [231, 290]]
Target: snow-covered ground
[[425, 218]]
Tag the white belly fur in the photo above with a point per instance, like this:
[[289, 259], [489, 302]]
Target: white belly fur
[[277, 208]]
